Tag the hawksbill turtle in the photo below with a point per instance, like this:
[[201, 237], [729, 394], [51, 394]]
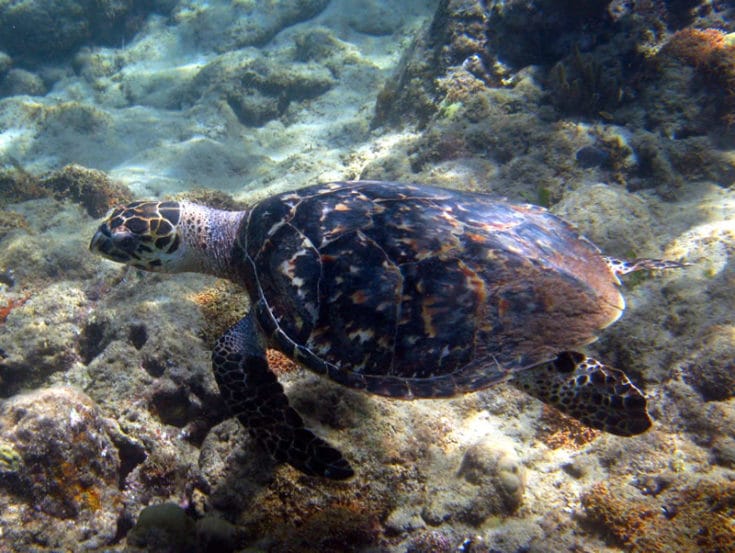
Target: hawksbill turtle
[[401, 290]]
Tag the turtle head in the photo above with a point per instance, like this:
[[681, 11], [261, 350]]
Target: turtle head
[[171, 237], [146, 235]]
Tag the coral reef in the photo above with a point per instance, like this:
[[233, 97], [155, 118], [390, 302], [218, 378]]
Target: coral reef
[[20, 81], [710, 368], [92, 189], [280, 510], [489, 40], [556, 430], [42, 30], [432, 541], [456, 32], [222, 306], [585, 84], [711, 53], [34, 353], [11, 304], [68, 479], [255, 88], [279, 363], [616, 220], [699, 48], [11, 460], [154, 350], [223, 27], [168, 527], [163, 527], [690, 518], [464, 101], [11, 221], [542, 31], [17, 185], [487, 466]]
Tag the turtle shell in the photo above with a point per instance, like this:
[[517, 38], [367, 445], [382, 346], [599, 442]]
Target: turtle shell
[[415, 291]]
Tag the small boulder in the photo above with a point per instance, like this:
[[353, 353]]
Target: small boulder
[[489, 481]]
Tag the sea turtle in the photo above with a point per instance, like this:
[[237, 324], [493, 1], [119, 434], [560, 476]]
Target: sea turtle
[[401, 290]]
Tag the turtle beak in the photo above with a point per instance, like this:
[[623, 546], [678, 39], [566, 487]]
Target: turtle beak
[[116, 247], [100, 239]]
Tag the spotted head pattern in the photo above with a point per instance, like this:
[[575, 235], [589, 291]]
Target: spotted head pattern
[[170, 237], [142, 234]]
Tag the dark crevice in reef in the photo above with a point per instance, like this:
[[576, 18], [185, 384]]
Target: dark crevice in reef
[[93, 340], [138, 335]]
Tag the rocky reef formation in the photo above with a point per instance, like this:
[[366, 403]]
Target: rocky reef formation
[[503, 85], [43, 30], [90, 188], [64, 484]]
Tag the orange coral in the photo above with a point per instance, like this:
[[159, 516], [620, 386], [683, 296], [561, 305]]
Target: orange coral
[[558, 430], [694, 46], [693, 519], [10, 305], [73, 487], [712, 55], [346, 518], [222, 305], [624, 520]]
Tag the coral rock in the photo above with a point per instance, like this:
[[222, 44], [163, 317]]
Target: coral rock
[[710, 369], [66, 490], [696, 518], [490, 481], [91, 188]]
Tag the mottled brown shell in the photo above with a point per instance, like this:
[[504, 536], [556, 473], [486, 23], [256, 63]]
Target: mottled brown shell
[[414, 291]]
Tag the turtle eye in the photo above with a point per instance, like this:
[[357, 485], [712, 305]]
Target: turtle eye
[[125, 241]]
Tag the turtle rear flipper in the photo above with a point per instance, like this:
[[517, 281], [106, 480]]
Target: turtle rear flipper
[[253, 394], [597, 395], [624, 266]]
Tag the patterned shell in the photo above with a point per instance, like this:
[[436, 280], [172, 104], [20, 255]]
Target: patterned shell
[[414, 291]]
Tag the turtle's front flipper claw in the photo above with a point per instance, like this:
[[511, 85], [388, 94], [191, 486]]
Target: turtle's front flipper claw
[[253, 394]]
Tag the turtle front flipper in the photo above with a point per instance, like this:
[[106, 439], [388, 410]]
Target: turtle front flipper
[[256, 398], [583, 388]]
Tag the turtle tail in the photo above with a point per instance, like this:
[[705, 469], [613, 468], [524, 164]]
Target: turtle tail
[[597, 395], [256, 398]]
